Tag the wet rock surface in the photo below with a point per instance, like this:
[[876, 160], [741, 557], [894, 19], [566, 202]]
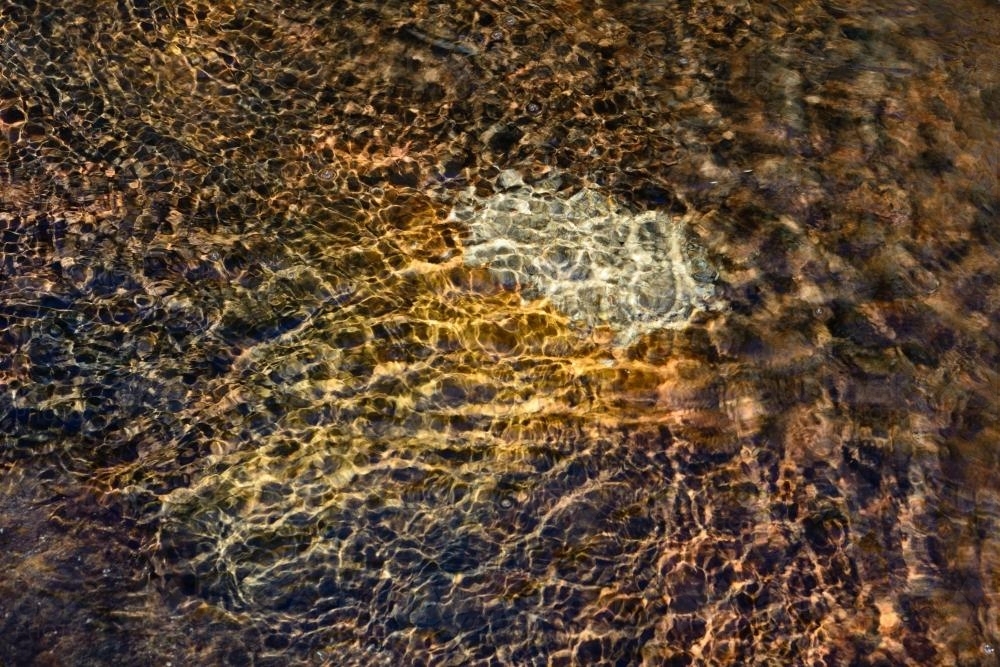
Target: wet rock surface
[[600, 265], [264, 401]]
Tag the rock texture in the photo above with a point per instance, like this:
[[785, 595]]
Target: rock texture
[[599, 264], [264, 400]]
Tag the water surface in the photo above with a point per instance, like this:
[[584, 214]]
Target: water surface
[[294, 368]]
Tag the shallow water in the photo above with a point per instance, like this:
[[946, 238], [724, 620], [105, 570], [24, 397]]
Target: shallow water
[[552, 333]]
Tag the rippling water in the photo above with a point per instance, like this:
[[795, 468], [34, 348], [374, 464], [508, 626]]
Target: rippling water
[[546, 333]]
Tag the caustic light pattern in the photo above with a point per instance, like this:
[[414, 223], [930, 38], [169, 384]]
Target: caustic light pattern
[[597, 262]]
